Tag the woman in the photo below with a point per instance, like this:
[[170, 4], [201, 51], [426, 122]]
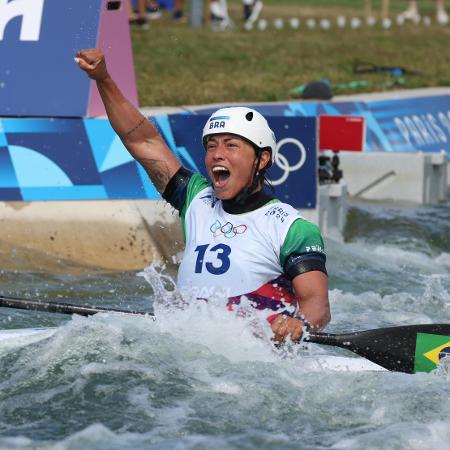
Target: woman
[[238, 238]]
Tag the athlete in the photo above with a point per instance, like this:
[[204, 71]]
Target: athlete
[[239, 239]]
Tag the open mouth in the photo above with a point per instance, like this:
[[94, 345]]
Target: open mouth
[[220, 176]]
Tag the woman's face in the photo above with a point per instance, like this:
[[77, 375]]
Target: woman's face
[[230, 162]]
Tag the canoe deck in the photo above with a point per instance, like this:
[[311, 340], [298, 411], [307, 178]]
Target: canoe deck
[[11, 339]]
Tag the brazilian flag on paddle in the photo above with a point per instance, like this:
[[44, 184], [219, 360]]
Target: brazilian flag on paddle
[[430, 350]]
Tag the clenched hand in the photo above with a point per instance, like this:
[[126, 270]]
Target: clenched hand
[[92, 61], [284, 326]]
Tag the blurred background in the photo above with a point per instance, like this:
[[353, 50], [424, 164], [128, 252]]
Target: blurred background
[[81, 223], [290, 43]]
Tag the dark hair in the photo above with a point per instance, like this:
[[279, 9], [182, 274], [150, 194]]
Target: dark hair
[[261, 176]]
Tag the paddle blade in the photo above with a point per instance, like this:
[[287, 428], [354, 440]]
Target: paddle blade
[[409, 349]]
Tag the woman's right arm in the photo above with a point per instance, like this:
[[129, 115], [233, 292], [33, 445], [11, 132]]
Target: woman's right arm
[[138, 134]]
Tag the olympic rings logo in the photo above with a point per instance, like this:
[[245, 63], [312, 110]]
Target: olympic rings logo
[[282, 162], [228, 230]]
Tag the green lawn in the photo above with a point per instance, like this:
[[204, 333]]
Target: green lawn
[[178, 65]]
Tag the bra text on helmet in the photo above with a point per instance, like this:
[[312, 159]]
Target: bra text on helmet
[[220, 124]]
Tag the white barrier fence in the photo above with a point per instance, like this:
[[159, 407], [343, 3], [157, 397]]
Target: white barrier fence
[[417, 178]]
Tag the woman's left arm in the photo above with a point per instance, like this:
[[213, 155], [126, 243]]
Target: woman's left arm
[[312, 293], [311, 289]]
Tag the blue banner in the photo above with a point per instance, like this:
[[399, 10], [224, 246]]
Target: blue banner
[[375, 137], [38, 41], [403, 125], [415, 124], [83, 159], [65, 159]]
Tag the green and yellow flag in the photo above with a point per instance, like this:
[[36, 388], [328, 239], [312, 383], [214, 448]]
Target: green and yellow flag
[[430, 349]]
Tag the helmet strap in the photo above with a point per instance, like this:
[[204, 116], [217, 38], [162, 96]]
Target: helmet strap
[[242, 197]]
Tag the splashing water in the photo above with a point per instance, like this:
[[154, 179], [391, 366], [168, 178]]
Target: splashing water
[[240, 334], [202, 377]]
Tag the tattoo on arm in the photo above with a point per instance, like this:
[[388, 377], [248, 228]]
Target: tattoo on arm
[[135, 128], [158, 171]]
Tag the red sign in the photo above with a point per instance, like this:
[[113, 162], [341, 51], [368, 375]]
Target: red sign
[[342, 133]]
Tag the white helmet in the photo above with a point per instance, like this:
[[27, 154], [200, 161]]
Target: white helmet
[[243, 122]]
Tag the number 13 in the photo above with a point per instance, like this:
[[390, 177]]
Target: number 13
[[222, 253]]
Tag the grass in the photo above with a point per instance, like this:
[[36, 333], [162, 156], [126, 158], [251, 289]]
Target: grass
[[179, 65]]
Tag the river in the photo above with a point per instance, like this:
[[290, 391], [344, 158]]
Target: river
[[194, 379]]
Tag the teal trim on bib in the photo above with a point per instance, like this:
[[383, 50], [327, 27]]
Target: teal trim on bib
[[302, 237]]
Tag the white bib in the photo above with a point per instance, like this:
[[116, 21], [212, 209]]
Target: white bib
[[232, 254]]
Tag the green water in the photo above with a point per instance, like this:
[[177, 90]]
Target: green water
[[194, 379]]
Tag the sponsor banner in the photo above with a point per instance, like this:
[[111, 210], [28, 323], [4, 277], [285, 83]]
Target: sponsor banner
[[403, 125], [407, 125], [376, 140], [415, 124], [38, 42], [83, 159], [66, 159]]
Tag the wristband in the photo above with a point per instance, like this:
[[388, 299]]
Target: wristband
[[304, 320], [272, 317]]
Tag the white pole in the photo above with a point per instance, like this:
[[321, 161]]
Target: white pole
[[196, 13]]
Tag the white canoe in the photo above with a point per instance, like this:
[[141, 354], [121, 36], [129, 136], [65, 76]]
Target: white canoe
[[340, 364], [23, 336], [10, 339]]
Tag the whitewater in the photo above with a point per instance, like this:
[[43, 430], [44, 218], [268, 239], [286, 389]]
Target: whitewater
[[200, 377]]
